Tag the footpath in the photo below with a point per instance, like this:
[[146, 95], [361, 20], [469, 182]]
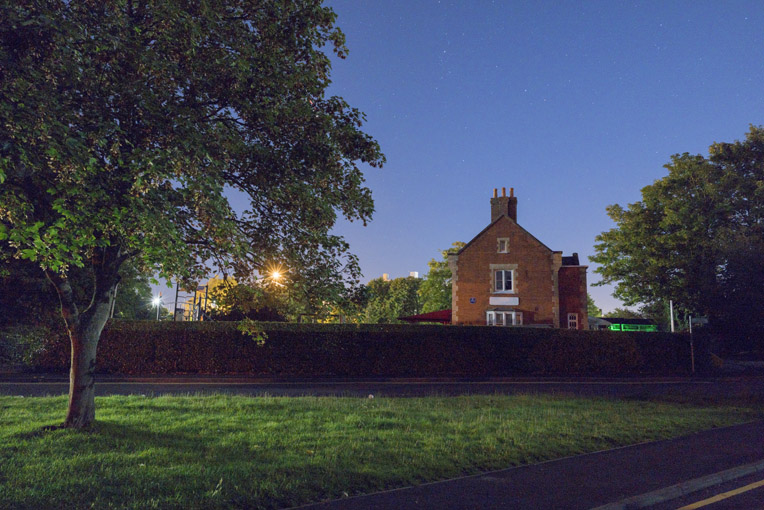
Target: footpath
[[637, 476]]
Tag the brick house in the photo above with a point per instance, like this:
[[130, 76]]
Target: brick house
[[507, 277]]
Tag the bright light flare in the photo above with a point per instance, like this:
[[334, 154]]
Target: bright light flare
[[275, 274], [156, 301]]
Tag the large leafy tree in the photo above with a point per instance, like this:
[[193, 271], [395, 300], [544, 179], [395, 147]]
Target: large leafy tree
[[128, 124], [390, 299], [435, 291], [592, 310], [696, 237]]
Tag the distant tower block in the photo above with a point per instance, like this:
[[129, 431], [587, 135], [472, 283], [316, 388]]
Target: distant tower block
[[414, 274]]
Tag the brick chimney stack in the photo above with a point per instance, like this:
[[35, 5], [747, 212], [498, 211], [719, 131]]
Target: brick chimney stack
[[512, 205], [504, 205]]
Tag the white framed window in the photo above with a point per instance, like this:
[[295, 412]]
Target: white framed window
[[502, 245], [503, 280], [510, 318], [572, 321]]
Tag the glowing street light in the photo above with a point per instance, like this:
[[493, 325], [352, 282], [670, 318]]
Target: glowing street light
[[157, 301], [275, 273]]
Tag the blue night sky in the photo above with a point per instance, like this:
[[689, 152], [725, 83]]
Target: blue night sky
[[577, 105]]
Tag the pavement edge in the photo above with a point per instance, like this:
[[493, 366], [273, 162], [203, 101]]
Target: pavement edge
[[682, 489]]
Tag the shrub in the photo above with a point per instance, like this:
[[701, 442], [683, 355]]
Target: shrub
[[22, 344], [383, 350]]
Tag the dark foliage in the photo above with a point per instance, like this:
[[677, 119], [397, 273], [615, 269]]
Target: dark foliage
[[353, 350]]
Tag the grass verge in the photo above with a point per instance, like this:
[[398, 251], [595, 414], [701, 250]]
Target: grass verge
[[266, 452]]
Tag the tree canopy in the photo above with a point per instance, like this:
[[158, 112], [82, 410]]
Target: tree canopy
[[389, 299], [29, 298], [128, 127], [592, 310], [262, 300], [624, 313], [435, 291], [696, 237]]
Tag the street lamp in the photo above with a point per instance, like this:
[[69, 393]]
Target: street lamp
[[275, 274], [157, 301]]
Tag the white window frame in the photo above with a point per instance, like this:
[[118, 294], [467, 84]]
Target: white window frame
[[503, 318], [505, 241], [504, 289], [572, 321]]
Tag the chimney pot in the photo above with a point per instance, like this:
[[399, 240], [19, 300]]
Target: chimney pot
[[495, 193], [504, 205]]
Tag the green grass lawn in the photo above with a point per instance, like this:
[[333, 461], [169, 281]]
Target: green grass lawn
[[242, 452]]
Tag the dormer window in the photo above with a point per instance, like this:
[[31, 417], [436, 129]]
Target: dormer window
[[503, 245]]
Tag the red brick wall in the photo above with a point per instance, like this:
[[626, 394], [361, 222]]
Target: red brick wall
[[535, 277], [572, 281]]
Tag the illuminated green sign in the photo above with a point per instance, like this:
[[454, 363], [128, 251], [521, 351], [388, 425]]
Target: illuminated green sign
[[633, 327]]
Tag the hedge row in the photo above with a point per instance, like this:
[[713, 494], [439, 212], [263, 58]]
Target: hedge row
[[349, 350]]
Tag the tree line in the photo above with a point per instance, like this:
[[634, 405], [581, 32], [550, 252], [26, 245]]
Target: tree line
[[380, 301]]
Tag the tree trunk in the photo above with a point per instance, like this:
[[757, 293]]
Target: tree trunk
[[84, 332], [84, 342]]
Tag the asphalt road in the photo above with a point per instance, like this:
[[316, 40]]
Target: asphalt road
[[38, 385]]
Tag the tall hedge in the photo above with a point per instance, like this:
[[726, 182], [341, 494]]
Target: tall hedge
[[349, 350]]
